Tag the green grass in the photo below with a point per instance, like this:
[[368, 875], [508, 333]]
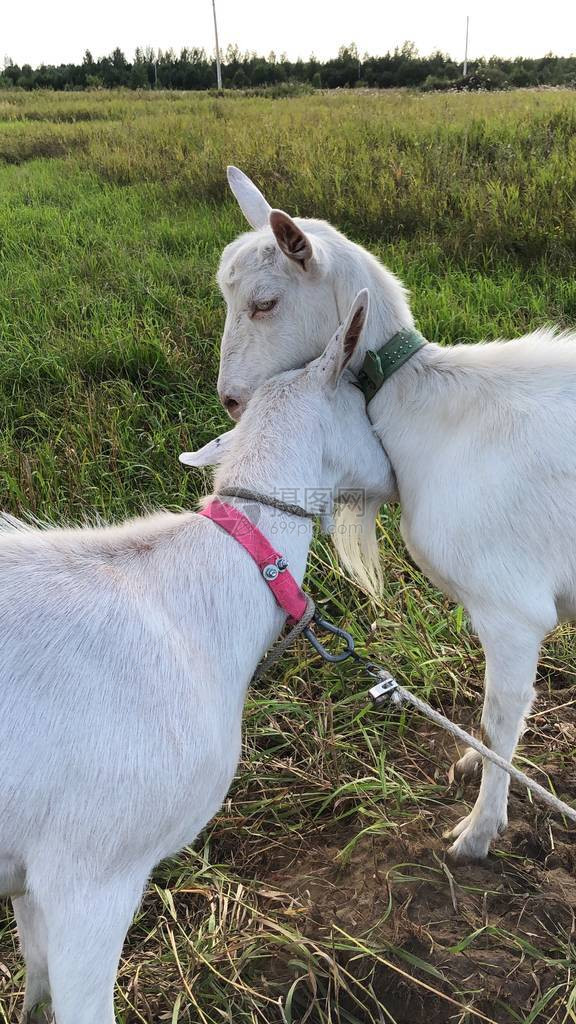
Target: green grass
[[319, 893]]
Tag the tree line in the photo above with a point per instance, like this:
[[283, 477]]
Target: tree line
[[193, 68]]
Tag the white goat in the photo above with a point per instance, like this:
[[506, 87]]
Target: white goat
[[480, 437], [125, 654]]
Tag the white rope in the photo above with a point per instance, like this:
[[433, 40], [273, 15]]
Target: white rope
[[398, 694]]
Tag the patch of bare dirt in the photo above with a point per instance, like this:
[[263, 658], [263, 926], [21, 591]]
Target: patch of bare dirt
[[496, 933], [471, 923]]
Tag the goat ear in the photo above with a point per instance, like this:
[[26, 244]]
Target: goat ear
[[249, 198], [211, 454], [293, 242], [344, 341]]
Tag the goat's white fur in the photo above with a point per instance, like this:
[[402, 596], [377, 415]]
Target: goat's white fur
[[481, 439], [125, 654]]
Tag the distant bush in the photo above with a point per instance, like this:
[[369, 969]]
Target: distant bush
[[482, 79], [433, 83]]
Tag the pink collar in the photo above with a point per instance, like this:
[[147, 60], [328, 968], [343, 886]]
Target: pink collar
[[272, 564]]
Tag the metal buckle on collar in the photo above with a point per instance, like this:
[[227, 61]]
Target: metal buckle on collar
[[271, 571]]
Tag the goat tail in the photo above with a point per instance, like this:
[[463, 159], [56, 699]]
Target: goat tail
[[356, 544]]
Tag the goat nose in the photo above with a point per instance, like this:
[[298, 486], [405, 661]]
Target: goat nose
[[232, 406]]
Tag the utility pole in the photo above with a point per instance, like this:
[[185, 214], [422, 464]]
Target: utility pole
[[465, 71], [218, 68]]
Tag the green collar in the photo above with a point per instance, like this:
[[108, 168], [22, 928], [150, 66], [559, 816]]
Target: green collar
[[379, 366]]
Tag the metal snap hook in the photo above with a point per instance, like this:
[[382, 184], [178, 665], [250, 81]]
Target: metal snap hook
[[329, 627]]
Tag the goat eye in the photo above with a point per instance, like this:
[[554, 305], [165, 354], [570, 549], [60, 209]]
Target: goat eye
[[265, 307]]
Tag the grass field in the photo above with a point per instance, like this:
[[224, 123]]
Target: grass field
[[320, 892]]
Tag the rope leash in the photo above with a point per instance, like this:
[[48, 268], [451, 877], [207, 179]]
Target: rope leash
[[276, 652], [390, 690], [266, 499], [387, 689]]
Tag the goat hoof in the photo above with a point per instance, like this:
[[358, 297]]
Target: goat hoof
[[468, 766], [473, 844], [466, 851]]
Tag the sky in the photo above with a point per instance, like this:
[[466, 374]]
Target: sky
[[38, 31]]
